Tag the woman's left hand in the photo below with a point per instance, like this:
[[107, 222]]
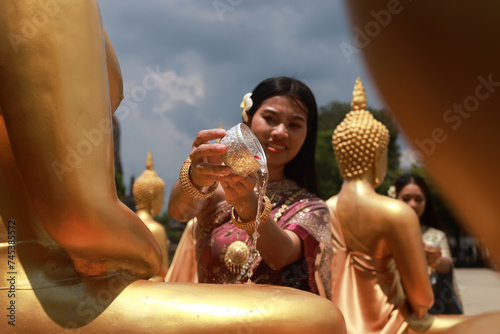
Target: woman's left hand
[[240, 194]]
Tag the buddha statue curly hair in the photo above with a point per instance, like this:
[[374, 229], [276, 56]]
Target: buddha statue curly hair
[[359, 138], [147, 186]]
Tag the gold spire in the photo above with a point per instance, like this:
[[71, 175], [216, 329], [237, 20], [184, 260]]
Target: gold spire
[[149, 161], [358, 96]]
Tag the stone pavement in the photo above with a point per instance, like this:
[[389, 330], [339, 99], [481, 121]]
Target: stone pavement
[[480, 289]]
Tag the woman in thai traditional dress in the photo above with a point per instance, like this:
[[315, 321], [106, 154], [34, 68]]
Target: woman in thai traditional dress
[[294, 242]]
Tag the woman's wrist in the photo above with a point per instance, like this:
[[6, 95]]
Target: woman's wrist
[[250, 225], [246, 207], [190, 188]]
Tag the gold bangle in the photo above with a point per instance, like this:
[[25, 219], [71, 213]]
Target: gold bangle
[[250, 226], [188, 187]]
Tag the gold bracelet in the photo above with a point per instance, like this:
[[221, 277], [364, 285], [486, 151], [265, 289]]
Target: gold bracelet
[[250, 226], [188, 187]]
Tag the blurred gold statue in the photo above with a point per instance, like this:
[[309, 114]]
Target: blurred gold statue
[[148, 191], [379, 274], [74, 258], [442, 82]]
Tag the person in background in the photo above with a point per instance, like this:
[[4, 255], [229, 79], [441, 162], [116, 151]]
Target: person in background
[[413, 190]]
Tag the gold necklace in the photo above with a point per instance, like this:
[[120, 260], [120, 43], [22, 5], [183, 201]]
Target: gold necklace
[[238, 253], [277, 188], [286, 204]]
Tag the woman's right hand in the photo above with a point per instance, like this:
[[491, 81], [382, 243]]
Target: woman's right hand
[[206, 161], [433, 255]]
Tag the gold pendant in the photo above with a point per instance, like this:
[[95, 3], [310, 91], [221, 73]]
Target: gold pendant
[[236, 256]]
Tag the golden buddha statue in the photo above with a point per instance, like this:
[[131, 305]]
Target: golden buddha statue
[[442, 83], [148, 192], [74, 258], [379, 274]]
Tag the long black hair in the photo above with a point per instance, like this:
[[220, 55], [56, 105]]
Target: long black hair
[[302, 168], [429, 217]]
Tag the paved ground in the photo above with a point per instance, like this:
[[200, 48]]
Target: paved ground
[[480, 289]]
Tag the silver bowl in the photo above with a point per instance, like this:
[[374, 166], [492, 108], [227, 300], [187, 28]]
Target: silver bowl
[[244, 153]]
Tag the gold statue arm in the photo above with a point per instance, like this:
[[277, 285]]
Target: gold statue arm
[[405, 243], [45, 103], [114, 74]]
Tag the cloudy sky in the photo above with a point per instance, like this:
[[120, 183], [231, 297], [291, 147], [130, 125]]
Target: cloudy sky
[[187, 64]]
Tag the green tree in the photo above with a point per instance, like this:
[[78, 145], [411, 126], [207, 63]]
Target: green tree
[[120, 187], [329, 179], [330, 116]]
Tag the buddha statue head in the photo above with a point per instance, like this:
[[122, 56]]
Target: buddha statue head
[[148, 189], [360, 141]]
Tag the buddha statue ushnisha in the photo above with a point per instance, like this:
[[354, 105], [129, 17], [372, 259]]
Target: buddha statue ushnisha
[[148, 190], [379, 275], [80, 260]]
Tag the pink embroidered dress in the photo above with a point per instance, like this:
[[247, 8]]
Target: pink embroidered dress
[[294, 209]]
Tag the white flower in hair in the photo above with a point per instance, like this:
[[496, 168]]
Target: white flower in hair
[[392, 191], [246, 104]]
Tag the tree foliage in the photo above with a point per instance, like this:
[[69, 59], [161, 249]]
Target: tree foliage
[[120, 186], [330, 116]]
